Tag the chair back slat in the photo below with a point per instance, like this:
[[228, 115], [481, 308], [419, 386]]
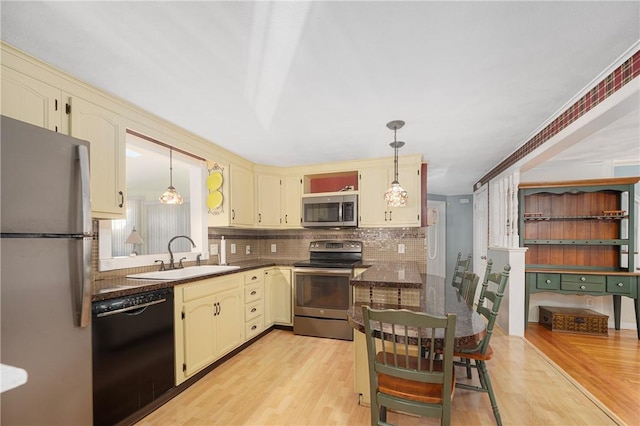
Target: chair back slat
[[468, 288], [493, 287], [461, 266], [398, 355]]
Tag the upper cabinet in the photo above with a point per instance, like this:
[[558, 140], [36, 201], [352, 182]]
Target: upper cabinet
[[269, 200], [106, 132], [278, 199], [232, 204], [373, 209], [30, 100], [290, 201]]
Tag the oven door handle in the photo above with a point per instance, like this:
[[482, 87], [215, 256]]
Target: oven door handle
[[323, 271]]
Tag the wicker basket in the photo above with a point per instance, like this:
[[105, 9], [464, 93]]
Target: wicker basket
[[574, 320]]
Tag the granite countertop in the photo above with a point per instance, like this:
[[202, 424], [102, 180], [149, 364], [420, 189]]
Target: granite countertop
[[390, 274], [437, 297], [114, 287]]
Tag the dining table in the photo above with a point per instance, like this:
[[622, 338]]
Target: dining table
[[401, 285]]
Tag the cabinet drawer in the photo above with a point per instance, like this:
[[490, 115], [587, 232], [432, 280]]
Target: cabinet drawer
[[252, 310], [582, 286], [253, 327], [253, 292], [252, 277], [619, 285], [577, 278], [548, 281]]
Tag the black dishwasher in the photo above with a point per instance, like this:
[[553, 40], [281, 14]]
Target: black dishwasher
[[133, 353]]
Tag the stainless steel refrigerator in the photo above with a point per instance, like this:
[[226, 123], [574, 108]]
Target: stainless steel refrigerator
[[45, 288]]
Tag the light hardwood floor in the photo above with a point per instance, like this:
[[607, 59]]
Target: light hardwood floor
[[607, 366], [285, 379]]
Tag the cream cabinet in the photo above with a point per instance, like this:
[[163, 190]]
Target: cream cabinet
[[373, 210], [278, 296], [32, 101], [106, 132], [209, 322], [269, 199], [253, 303], [241, 195], [290, 201]]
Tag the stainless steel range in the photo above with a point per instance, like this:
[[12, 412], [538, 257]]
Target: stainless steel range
[[322, 291]]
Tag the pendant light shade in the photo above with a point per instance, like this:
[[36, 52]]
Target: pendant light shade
[[171, 196], [395, 196]]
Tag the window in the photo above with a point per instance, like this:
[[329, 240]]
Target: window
[[148, 176]]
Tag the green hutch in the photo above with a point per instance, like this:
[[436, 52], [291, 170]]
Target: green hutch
[[581, 239]]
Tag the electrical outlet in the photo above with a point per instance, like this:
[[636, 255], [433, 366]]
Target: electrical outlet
[[247, 249], [589, 301], [401, 248], [233, 248], [213, 249], [273, 248]]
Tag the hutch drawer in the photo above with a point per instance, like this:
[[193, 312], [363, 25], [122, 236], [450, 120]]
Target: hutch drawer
[[548, 281], [592, 287], [619, 285], [590, 279]]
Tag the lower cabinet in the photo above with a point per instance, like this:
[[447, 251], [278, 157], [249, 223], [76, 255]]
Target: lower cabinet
[[253, 303], [279, 299], [209, 322]]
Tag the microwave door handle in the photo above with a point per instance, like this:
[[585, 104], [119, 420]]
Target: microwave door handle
[[85, 286], [340, 208]]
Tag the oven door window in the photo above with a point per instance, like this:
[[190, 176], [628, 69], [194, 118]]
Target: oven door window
[[322, 212], [322, 292]]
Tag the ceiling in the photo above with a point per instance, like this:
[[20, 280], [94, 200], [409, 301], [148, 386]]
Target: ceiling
[[297, 83]]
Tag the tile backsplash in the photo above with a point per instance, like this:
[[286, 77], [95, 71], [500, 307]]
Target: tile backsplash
[[379, 244]]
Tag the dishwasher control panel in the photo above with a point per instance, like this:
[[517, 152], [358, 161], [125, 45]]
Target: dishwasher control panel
[[134, 301]]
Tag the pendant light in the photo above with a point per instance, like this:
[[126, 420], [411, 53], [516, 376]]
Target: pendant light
[[171, 196], [395, 195]]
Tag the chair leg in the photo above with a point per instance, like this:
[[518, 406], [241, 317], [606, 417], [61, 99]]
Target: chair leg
[[467, 361], [383, 414], [483, 373]]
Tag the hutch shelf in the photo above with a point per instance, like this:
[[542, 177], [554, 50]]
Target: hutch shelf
[[581, 239]]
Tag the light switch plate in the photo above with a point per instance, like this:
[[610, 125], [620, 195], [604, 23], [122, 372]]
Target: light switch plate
[[233, 248], [273, 248], [401, 248], [213, 249], [248, 249]]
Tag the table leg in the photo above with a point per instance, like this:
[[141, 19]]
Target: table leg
[[637, 305], [616, 310]]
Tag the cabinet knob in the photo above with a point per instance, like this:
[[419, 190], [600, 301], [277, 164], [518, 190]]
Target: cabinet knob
[[253, 327], [255, 277], [620, 285], [583, 279], [548, 281], [582, 287], [253, 293], [253, 310]]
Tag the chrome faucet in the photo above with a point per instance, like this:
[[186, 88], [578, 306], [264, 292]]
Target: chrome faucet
[[171, 264]]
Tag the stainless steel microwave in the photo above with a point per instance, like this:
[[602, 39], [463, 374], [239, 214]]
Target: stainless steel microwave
[[321, 211]]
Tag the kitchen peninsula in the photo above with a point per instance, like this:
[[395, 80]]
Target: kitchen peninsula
[[400, 285]]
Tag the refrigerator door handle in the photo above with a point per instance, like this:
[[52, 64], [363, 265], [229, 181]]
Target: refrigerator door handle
[[85, 188]]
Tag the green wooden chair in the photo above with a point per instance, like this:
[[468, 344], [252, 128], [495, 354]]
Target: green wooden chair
[[493, 287], [462, 266], [399, 379]]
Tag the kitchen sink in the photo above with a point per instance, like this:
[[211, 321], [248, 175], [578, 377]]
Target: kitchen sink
[[189, 272]]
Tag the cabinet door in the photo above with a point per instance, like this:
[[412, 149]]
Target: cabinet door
[[199, 333], [409, 178], [290, 200], [106, 132], [30, 100], [372, 208], [268, 200], [229, 321], [241, 193], [278, 283]]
